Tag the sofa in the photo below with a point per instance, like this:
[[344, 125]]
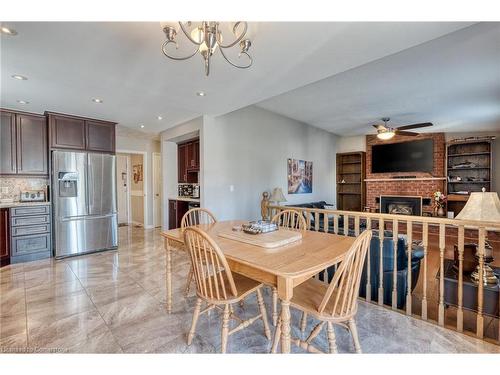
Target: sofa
[[388, 268], [321, 218]]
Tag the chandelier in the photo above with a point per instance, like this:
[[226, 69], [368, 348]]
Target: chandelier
[[207, 37]]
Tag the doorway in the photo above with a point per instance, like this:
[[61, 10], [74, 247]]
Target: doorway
[[122, 187], [157, 219], [131, 177]]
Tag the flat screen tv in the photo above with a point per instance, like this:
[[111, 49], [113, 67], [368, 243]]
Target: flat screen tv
[[412, 156]]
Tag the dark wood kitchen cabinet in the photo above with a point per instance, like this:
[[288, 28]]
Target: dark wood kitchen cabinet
[[80, 133], [4, 237], [23, 144], [100, 136], [188, 161], [8, 143], [176, 210]]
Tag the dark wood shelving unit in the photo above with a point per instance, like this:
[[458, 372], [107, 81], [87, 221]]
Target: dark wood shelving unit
[[351, 190], [478, 153]]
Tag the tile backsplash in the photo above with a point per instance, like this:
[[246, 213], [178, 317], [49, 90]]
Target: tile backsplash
[[11, 187]]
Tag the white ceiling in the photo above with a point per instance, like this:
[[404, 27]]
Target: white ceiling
[[121, 63], [453, 82]]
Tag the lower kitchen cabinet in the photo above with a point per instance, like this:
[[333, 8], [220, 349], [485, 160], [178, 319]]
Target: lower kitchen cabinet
[[176, 210], [4, 237], [30, 233]]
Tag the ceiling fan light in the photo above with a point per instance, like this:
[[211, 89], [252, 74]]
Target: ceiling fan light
[[385, 134]]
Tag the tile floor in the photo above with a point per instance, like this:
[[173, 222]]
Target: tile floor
[[113, 302]]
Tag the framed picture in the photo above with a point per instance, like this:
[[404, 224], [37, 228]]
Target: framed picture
[[137, 173], [300, 176]]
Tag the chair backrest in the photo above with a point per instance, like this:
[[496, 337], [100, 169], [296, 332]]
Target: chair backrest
[[291, 219], [197, 216], [214, 280], [345, 283]]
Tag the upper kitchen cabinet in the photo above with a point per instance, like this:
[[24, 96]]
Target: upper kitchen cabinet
[[79, 133], [188, 156], [8, 143], [23, 144], [100, 136]]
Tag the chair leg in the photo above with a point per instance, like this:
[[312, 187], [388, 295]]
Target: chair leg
[[303, 322], [275, 306], [196, 314], [263, 312], [277, 336], [188, 281], [225, 328], [332, 343], [354, 332]]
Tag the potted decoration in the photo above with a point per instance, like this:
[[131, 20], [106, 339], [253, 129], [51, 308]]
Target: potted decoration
[[439, 203]]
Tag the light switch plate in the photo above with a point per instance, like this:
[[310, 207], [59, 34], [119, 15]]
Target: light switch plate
[[231, 188]]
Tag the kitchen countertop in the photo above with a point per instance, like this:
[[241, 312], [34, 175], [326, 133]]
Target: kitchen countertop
[[185, 199], [23, 204]]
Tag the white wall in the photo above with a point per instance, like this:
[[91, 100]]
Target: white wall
[[134, 143], [249, 148], [351, 144]]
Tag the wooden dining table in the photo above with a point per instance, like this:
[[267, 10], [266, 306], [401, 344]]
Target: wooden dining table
[[283, 267]]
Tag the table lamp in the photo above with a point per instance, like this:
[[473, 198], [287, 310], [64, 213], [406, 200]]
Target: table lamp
[[484, 206], [277, 196]]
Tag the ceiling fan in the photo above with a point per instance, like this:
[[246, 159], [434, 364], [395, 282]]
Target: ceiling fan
[[386, 132]]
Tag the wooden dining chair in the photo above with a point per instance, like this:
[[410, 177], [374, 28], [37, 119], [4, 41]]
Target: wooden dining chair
[[336, 303], [218, 287], [290, 219], [195, 216]]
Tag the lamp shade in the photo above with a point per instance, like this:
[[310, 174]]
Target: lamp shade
[[277, 195], [481, 206]]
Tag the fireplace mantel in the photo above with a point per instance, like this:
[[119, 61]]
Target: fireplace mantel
[[406, 179]]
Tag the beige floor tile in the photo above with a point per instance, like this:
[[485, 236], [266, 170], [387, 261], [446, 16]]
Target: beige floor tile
[[67, 332], [12, 325], [13, 344], [46, 292], [12, 302], [56, 308]]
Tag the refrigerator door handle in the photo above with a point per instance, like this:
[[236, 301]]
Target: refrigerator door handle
[[90, 186]]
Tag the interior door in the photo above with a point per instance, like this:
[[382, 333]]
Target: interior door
[[122, 178], [157, 189], [101, 184]]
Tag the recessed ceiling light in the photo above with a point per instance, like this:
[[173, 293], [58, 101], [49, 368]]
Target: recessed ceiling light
[[160, 118], [8, 31], [142, 126], [97, 100], [200, 93], [19, 77], [23, 102]]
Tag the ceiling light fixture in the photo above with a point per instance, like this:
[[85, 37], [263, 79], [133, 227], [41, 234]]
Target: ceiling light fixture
[[19, 77], [160, 118], [23, 102], [97, 100], [8, 31], [385, 134], [207, 37], [200, 93], [142, 126]]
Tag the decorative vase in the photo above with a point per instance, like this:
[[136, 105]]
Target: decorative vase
[[440, 212]]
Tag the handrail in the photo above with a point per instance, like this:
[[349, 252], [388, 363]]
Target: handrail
[[456, 289], [423, 219]]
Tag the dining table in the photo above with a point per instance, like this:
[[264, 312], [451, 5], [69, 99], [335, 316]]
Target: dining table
[[284, 267]]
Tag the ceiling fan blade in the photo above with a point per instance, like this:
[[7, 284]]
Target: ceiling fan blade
[[379, 127], [402, 132], [415, 126]]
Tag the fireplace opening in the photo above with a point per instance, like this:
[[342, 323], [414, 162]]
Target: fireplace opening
[[401, 205]]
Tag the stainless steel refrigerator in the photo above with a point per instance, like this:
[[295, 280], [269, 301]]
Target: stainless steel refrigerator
[[84, 202]]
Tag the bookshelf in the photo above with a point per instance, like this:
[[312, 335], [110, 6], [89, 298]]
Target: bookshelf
[[351, 190], [468, 170]]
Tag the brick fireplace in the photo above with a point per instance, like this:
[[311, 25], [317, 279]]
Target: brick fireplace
[[422, 184]]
